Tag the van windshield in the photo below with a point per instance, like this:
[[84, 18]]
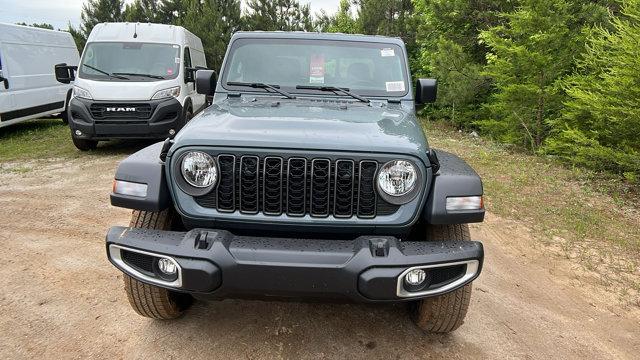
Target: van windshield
[[309, 66], [136, 61]]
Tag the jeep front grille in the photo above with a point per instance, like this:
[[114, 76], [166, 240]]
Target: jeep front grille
[[296, 186]]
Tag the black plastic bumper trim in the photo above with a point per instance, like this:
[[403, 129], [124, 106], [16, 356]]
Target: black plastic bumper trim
[[232, 266]]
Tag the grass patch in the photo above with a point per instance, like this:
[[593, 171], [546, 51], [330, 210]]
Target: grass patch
[[50, 138], [592, 218]]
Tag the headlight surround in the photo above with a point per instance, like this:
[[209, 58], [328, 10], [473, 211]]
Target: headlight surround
[[167, 93], [196, 173], [81, 93], [398, 181]]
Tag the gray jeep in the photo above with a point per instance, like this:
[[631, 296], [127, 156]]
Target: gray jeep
[[308, 177]]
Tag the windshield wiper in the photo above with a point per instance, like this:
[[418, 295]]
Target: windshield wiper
[[143, 75], [275, 88], [333, 89], [106, 73]]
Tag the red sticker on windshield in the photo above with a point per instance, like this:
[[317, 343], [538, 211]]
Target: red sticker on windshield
[[169, 71], [316, 69]]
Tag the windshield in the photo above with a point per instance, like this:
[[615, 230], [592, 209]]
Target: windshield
[[370, 69], [100, 59]]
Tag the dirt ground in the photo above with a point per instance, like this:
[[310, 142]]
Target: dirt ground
[[60, 297]]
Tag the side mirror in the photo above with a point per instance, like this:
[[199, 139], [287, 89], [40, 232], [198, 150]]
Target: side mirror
[[426, 91], [65, 73], [190, 73], [4, 80], [206, 82]]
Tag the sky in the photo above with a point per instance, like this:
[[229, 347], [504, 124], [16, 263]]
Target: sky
[[60, 12]]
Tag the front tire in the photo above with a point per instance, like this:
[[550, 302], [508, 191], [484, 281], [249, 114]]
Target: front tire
[[444, 313], [149, 300]]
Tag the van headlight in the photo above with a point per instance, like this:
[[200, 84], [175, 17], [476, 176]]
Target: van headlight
[[398, 181], [167, 93], [81, 93]]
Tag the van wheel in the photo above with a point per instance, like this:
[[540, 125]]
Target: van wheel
[[444, 313], [85, 145], [149, 300]]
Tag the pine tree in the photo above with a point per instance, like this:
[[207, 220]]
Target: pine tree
[[97, 11], [600, 123], [285, 15]]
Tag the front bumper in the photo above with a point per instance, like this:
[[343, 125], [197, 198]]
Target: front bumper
[[164, 115], [218, 264]]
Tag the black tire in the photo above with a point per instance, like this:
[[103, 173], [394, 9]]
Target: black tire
[[444, 313], [84, 145], [149, 300]]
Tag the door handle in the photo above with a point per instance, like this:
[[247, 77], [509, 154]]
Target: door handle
[[5, 81]]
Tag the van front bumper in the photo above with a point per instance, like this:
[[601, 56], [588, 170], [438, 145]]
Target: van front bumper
[[217, 264], [104, 120]]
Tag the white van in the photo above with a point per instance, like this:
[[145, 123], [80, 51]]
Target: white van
[[134, 81], [28, 87]]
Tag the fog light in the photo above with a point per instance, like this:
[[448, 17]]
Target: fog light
[[167, 266], [415, 277], [78, 133], [172, 132]]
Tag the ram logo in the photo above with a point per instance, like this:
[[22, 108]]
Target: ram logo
[[121, 109]]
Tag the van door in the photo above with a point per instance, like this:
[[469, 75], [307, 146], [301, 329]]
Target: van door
[[191, 88], [6, 104], [196, 100]]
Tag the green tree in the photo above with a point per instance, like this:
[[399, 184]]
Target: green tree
[[213, 22], [528, 57], [41, 26], [285, 15], [600, 123], [342, 21], [97, 11]]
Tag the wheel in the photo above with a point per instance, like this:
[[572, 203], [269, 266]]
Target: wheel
[[84, 145], [444, 313], [149, 300]]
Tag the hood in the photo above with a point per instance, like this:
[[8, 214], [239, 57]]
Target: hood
[[307, 125], [123, 91]]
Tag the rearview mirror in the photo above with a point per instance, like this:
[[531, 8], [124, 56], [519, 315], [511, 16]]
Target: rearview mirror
[[426, 91], [206, 81], [65, 73]]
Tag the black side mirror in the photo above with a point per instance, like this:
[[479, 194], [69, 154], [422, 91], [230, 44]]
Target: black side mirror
[[190, 73], [426, 91], [65, 73], [4, 80], [206, 82]]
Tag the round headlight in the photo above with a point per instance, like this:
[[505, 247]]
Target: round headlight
[[199, 169], [397, 177]]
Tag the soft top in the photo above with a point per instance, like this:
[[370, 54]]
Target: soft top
[[316, 36]]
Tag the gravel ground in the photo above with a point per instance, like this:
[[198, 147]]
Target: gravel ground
[[61, 298]]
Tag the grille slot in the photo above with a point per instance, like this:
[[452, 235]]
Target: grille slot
[[296, 186], [320, 187], [226, 189], [272, 186], [366, 192], [249, 175], [139, 261]]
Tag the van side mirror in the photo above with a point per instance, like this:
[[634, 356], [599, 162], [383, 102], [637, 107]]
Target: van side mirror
[[190, 73], [426, 91], [65, 73], [206, 82], [4, 80]]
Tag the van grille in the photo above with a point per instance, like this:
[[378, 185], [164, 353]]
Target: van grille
[[296, 186], [120, 111]]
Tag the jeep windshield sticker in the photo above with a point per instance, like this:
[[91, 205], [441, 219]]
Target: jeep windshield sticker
[[387, 52], [177, 60], [316, 69], [395, 86]]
